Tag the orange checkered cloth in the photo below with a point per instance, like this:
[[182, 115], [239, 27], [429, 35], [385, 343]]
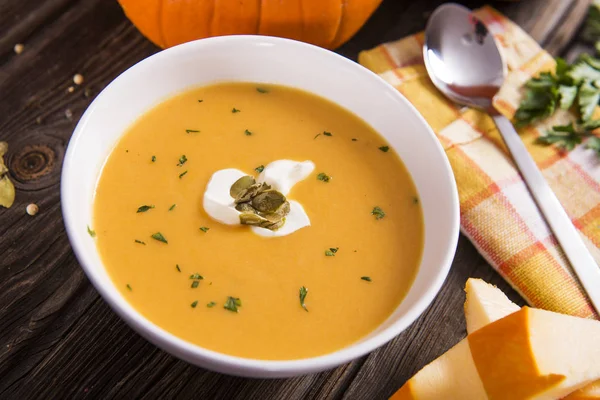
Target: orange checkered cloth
[[497, 212]]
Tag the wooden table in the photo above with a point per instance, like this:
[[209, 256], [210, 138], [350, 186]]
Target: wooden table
[[58, 339]]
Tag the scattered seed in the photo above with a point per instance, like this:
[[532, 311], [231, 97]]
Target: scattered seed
[[32, 209], [70, 89], [69, 114], [39, 120], [19, 47], [78, 79]]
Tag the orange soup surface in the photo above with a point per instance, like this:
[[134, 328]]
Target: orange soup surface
[[356, 260]]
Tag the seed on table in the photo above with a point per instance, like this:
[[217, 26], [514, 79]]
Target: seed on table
[[19, 48], [32, 209], [78, 79], [70, 89], [68, 114]]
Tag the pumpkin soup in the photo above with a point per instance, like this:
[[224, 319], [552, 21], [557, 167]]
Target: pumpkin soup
[[340, 230]]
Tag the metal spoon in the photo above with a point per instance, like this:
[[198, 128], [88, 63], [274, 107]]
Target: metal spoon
[[465, 64]]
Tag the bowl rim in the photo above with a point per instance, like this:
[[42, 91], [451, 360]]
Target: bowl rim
[[230, 364]]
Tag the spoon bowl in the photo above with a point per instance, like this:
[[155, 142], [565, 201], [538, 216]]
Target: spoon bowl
[[462, 57]]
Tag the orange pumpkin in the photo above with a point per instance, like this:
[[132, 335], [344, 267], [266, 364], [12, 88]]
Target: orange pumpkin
[[326, 23]]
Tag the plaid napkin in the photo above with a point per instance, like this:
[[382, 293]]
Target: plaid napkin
[[497, 212]]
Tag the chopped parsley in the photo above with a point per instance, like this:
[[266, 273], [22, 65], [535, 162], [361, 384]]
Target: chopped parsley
[[158, 236], [172, 207], [200, 101], [232, 304], [327, 133], [140, 242], [204, 229], [262, 90], [316, 136], [323, 177], [194, 304], [235, 110], [384, 148], [181, 175], [177, 267], [191, 131], [354, 139], [195, 284], [247, 132], [153, 158], [303, 293], [260, 168], [129, 287], [378, 212], [331, 252], [196, 276], [211, 304], [144, 208], [182, 160], [91, 232], [415, 200], [366, 278]]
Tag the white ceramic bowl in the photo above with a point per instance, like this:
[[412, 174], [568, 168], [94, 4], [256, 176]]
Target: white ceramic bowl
[[277, 61]]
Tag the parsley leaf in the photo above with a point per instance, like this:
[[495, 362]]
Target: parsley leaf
[[194, 304], [235, 110], [327, 133], [303, 293], [172, 207], [191, 131], [177, 267], [144, 208], [140, 242], [129, 287], [158, 236], [211, 304], [366, 278], [562, 135], [378, 212], [196, 276], [331, 252], [91, 232], [247, 132], [204, 229], [323, 177], [262, 90], [153, 158], [588, 98], [232, 304], [181, 175], [182, 160], [195, 284], [567, 96], [385, 149]]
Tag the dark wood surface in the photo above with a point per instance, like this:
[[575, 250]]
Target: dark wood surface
[[58, 339]]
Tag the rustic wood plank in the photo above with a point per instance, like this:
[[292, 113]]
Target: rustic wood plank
[[58, 339]]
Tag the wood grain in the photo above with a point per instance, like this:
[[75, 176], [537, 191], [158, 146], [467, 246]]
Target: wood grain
[[58, 339]]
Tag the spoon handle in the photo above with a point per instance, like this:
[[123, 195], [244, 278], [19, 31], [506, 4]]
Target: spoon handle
[[568, 237]]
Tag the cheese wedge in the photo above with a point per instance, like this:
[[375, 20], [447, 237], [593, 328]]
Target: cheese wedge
[[486, 303], [529, 354]]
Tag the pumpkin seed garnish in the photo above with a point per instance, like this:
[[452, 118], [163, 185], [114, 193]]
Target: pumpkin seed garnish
[[91, 232], [378, 213], [303, 293], [323, 177], [260, 168], [144, 208], [366, 278], [204, 229], [384, 148], [182, 160], [232, 304], [140, 242], [259, 204], [158, 236], [331, 252]]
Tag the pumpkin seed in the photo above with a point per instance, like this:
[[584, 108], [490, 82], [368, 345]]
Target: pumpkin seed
[[268, 201], [240, 185]]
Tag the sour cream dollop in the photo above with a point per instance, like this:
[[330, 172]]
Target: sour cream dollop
[[282, 175]]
